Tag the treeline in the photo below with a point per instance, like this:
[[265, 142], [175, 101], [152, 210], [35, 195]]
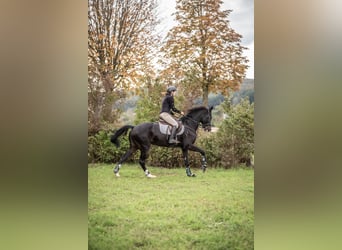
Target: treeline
[[246, 90]]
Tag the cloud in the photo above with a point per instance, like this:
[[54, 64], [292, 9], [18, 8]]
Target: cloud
[[242, 18], [249, 53], [242, 21]]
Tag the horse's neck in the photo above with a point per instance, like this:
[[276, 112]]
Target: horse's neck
[[191, 122]]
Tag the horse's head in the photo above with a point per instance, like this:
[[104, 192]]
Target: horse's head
[[206, 120], [199, 115]]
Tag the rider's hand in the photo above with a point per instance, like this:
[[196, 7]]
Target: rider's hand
[[182, 113]]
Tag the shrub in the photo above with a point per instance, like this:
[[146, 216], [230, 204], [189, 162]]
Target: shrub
[[234, 142], [102, 150]]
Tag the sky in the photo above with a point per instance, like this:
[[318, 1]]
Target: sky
[[241, 20]]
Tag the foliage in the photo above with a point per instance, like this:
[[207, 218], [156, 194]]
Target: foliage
[[246, 90], [234, 141], [101, 149], [121, 45], [203, 49], [149, 105], [188, 92], [215, 210]]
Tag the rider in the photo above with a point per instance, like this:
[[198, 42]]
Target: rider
[[168, 109]]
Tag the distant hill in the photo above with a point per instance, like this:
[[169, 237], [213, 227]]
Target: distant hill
[[246, 90], [247, 84]]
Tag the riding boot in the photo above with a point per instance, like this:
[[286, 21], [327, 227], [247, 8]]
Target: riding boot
[[172, 138]]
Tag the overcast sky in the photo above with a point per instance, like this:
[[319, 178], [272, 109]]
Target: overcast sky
[[241, 20]]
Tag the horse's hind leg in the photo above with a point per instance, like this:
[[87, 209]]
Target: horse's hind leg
[[143, 156], [123, 158]]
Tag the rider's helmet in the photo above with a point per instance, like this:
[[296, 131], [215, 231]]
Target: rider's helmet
[[171, 89]]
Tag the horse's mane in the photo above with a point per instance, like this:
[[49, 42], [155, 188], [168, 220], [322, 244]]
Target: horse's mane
[[195, 109]]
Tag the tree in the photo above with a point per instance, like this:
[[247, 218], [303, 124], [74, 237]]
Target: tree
[[204, 44], [236, 133], [149, 105], [120, 50]]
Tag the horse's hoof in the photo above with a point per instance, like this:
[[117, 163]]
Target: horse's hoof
[[117, 174], [192, 175], [151, 176]]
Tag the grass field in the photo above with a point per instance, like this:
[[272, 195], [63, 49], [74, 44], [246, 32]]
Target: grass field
[[214, 210]]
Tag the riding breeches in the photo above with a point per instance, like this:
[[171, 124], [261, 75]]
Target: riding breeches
[[169, 119]]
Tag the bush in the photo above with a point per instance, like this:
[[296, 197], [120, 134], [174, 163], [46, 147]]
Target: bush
[[211, 150], [102, 150], [233, 144]]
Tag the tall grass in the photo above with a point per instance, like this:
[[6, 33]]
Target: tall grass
[[214, 210]]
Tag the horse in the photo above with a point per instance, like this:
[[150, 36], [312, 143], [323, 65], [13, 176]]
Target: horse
[[146, 134]]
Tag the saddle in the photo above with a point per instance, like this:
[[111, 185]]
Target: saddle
[[165, 128]]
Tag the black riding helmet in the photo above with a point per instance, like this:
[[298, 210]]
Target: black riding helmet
[[171, 89]]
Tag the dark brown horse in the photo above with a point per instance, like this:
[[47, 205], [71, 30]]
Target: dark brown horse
[[144, 135]]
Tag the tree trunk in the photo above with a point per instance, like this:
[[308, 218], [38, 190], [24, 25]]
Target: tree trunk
[[205, 95]]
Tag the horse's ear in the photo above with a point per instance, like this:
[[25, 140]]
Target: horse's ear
[[211, 108]]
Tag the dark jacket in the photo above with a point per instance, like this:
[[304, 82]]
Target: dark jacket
[[168, 105]]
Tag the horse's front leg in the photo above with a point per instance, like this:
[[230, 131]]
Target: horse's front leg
[[201, 151], [186, 163]]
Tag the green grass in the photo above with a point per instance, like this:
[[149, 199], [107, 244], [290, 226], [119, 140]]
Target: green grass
[[214, 210]]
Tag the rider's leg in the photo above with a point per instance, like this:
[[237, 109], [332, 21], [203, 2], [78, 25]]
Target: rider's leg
[[172, 138], [169, 119]]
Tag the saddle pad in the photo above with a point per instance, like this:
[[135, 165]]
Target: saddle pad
[[167, 131]]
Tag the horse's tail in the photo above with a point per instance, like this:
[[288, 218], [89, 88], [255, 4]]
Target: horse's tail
[[119, 132]]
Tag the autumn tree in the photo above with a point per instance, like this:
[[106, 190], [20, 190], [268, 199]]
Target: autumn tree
[[203, 49], [120, 51]]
